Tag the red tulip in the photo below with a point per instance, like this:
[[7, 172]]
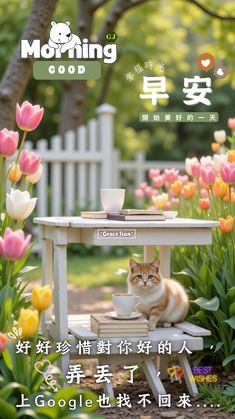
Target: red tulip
[[204, 204], [231, 123], [28, 117], [3, 342], [8, 142], [29, 162]]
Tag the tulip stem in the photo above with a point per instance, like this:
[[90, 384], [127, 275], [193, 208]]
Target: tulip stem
[[230, 199], [2, 171], [33, 352], [21, 147]]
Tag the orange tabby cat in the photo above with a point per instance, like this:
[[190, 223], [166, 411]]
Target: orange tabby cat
[[162, 299]]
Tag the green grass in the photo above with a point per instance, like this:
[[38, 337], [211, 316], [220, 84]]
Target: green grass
[[88, 271], [216, 395]]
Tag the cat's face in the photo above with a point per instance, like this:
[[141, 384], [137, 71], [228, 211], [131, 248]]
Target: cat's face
[[144, 275]]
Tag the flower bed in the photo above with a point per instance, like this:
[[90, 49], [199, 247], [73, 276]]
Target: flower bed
[[206, 191], [25, 372]]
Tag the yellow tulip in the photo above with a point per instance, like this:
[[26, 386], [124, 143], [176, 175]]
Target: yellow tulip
[[28, 321], [176, 187], [189, 190], [220, 188], [15, 173], [41, 297]]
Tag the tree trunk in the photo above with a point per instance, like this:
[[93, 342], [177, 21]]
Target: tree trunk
[[73, 97], [18, 71]]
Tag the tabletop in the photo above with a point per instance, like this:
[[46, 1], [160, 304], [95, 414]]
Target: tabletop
[[79, 222]]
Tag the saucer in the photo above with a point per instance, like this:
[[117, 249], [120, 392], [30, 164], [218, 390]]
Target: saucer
[[113, 315], [170, 214]]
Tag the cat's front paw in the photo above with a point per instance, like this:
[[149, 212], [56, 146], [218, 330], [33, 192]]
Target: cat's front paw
[[166, 324], [152, 326]]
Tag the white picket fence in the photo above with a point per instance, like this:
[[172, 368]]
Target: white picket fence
[[76, 167]]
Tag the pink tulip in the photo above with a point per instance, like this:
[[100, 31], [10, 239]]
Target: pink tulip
[[8, 142], [148, 191], [168, 205], [139, 193], [227, 171], [29, 162], [208, 175], [153, 172], [158, 181], [171, 175], [204, 193], [231, 123], [195, 168], [143, 185], [14, 244], [175, 201], [28, 117], [183, 178]]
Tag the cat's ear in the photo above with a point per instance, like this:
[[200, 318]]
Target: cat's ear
[[156, 264], [132, 263]]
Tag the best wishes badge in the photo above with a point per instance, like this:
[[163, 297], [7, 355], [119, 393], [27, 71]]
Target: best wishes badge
[[63, 41]]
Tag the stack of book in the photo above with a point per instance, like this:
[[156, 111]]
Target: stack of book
[[137, 215], [126, 215], [106, 327]]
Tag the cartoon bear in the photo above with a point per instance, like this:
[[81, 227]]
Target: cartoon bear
[[61, 36]]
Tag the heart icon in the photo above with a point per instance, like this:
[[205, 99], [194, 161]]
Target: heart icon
[[42, 364], [205, 63], [220, 72], [171, 371]]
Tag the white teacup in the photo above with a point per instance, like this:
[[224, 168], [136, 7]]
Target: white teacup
[[112, 199], [124, 304]]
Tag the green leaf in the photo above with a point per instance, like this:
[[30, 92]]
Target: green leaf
[[231, 322], [27, 269], [218, 346], [7, 359], [219, 287], [9, 388], [210, 305], [228, 359], [7, 411], [232, 309]]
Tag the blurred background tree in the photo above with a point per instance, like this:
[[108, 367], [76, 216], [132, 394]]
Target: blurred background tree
[[172, 32]]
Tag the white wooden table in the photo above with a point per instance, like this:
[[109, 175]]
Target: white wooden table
[[57, 232]]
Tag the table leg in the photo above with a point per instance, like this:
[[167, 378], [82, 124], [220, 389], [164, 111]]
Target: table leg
[[162, 365], [108, 387], [61, 300], [148, 253], [152, 376], [165, 260], [191, 385], [47, 274]]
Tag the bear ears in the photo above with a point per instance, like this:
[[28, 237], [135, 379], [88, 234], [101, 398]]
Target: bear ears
[[53, 23]]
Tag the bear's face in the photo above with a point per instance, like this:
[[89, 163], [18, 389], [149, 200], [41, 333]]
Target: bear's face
[[60, 33]]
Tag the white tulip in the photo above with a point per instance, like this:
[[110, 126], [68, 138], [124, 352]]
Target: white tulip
[[206, 161], [218, 160], [36, 176], [220, 136], [188, 164], [19, 205]]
